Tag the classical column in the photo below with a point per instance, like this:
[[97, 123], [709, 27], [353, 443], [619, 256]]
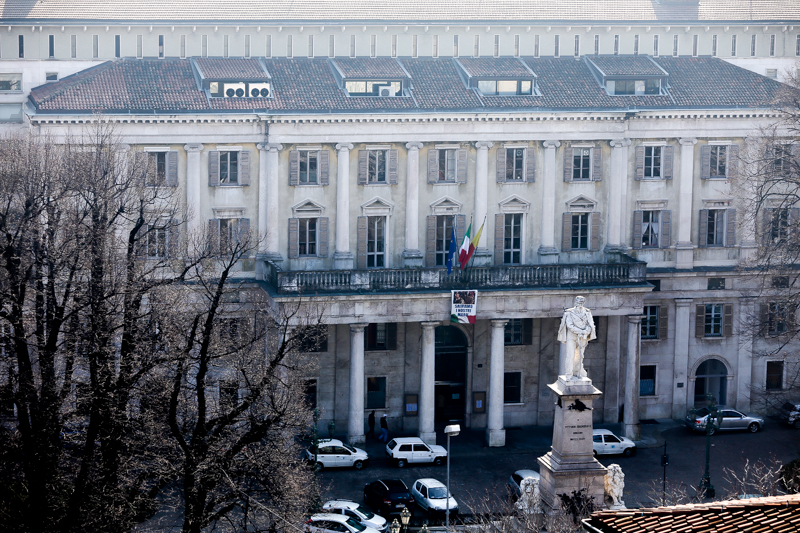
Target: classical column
[[482, 255], [615, 242], [613, 351], [355, 422], [195, 225], [548, 253], [680, 377], [747, 308], [684, 247], [343, 257], [268, 204], [633, 430], [495, 434], [412, 255], [427, 369], [747, 225]]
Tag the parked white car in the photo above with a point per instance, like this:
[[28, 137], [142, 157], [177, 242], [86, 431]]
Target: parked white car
[[335, 453], [335, 523], [605, 443], [357, 511], [515, 481], [414, 450], [431, 495]]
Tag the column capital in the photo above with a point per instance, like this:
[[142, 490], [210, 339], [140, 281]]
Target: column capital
[[270, 147], [355, 328], [431, 325], [635, 319], [683, 302], [499, 322], [193, 147], [344, 147], [483, 145], [687, 141], [413, 145], [551, 144], [619, 143]]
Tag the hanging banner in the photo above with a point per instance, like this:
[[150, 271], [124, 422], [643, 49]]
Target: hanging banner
[[464, 306]]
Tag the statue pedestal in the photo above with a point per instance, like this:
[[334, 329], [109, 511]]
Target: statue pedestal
[[570, 465]]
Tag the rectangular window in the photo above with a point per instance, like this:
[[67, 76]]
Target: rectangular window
[[139, 46], [226, 39], [307, 237], [204, 45], [156, 169], [229, 168], [73, 46], [161, 52], [636, 45], [581, 164], [447, 165], [376, 242], [713, 320], [376, 166], [21, 46], [51, 76], [381, 336], [535, 46], [715, 233], [414, 49], [577, 46], [781, 157], [733, 45], [267, 46], [496, 52], [777, 318], [695, 43], [117, 46], [580, 231], [308, 167], [518, 332], [647, 380], [512, 239], [779, 226], [51, 46], [352, 46], [774, 375], [156, 241], [10, 82], [557, 46], [455, 45], [771, 46], [444, 230], [332, 46], [373, 46], [310, 46], [713, 46], [597, 45], [476, 46], [650, 229], [718, 161], [516, 46], [394, 45], [247, 46], [716, 284], [515, 164], [650, 322], [504, 87], [435, 46], [674, 46], [655, 45], [228, 232], [753, 46], [512, 387], [616, 45], [652, 162], [183, 46], [376, 393]]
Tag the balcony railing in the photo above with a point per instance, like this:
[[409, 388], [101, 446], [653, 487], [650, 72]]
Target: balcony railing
[[627, 272]]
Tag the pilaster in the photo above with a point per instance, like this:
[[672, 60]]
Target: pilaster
[[495, 432], [412, 255], [343, 257], [548, 253], [427, 370], [355, 420], [268, 202], [618, 180], [744, 370], [482, 255], [680, 385], [684, 247], [194, 225], [633, 429]]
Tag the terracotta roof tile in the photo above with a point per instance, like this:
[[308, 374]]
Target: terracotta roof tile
[[494, 67], [370, 68], [626, 65], [217, 68]]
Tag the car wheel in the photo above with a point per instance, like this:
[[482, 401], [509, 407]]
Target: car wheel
[[438, 461], [627, 452], [712, 431], [796, 424], [401, 463], [594, 453], [358, 465], [319, 466], [753, 428]]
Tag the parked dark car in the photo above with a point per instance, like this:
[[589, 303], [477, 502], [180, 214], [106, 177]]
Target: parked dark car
[[790, 413], [387, 496]]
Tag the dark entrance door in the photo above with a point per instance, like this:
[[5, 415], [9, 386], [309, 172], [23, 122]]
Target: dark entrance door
[[712, 377], [450, 375]]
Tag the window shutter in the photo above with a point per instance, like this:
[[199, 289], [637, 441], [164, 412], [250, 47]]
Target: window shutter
[[702, 232], [294, 238], [391, 336], [172, 169], [568, 162], [363, 167], [663, 321], [766, 225], [244, 230], [461, 166], [322, 237], [213, 236], [361, 242], [705, 162], [392, 157], [527, 331], [244, 167], [666, 228], [595, 236], [732, 161], [433, 166], [461, 229], [430, 241], [294, 168], [730, 227], [500, 171], [700, 320], [667, 156], [213, 168], [566, 232], [499, 233], [530, 165], [637, 230], [727, 320], [324, 162], [141, 162], [597, 163], [639, 170], [763, 329], [174, 239]]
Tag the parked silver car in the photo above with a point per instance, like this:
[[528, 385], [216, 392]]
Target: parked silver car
[[731, 420]]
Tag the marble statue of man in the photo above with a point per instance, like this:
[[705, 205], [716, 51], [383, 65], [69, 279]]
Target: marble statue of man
[[577, 329]]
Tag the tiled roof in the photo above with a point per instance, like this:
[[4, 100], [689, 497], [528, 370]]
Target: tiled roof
[[337, 11], [217, 68], [492, 67], [370, 68], [776, 514], [309, 85], [626, 65]]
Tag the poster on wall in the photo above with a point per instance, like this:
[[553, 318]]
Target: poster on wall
[[464, 306]]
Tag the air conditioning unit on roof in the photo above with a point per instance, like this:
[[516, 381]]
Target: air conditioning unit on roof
[[232, 90], [260, 90], [386, 90]]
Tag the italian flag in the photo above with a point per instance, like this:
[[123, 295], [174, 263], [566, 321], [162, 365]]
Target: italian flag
[[465, 253]]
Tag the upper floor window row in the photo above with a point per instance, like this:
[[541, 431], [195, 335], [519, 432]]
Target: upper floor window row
[[648, 86], [507, 87]]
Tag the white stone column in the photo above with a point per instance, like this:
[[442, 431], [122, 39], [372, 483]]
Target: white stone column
[[684, 247], [427, 377], [680, 385], [343, 257], [268, 202], [633, 430], [548, 253], [195, 225], [744, 372], [612, 384], [615, 241], [355, 421], [482, 255], [495, 433], [412, 255]]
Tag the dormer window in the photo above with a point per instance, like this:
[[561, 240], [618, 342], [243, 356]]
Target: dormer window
[[374, 88], [505, 87], [633, 87]]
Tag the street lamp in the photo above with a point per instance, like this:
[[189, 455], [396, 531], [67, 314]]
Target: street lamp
[[395, 527], [405, 516], [712, 424], [450, 431]]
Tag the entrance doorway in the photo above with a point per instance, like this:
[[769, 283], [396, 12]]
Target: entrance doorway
[[711, 377], [450, 375]]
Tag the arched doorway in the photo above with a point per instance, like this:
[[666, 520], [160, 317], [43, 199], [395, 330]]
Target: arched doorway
[[450, 375], [711, 377]]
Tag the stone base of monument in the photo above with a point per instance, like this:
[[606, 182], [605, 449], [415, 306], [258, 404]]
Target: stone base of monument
[[570, 465]]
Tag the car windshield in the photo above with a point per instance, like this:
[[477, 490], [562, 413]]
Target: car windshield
[[366, 512], [355, 524], [349, 448], [703, 411], [400, 496], [437, 493]]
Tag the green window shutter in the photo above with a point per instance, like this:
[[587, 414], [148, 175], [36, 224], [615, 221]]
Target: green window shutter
[[500, 171], [499, 234], [667, 157], [244, 167], [530, 165], [323, 166], [393, 165], [213, 168], [172, 169], [294, 238], [597, 163], [666, 229], [595, 236], [702, 236], [637, 230], [361, 242], [730, 227], [363, 167], [566, 232], [294, 167], [568, 162], [705, 162], [433, 166], [430, 240], [639, 169], [461, 166], [322, 237]]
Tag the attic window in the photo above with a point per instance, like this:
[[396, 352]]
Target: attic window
[[374, 88], [633, 87], [505, 87], [233, 89]]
